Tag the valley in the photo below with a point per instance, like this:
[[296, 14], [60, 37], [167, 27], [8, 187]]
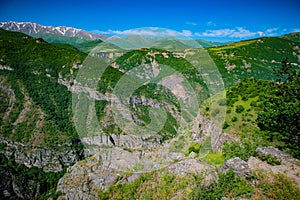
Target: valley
[[83, 116]]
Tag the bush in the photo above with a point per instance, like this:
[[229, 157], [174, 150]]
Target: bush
[[239, 109], [229, 185], [243, 149], [225, 125], [244, 98], [234, 119], [272, 160], [194, 147], [253, 103]]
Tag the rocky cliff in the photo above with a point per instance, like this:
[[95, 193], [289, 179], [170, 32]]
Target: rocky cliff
[[48, 159]]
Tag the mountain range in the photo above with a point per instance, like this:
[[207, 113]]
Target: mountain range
[[38, 30], [85, 41]]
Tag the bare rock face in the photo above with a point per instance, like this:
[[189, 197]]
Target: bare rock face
[[16, 186], [85, 178], [240, 167], [124, 141], [115, 165], [204, 127], [280, 155], [191, 166], [289, 166], [49, 160]]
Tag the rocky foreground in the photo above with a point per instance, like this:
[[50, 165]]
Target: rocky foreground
[[117, 166]]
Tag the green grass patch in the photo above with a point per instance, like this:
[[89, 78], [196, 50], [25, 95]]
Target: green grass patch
[[214, 158]]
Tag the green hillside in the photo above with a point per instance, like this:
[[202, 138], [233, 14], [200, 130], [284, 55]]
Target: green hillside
[[292, 36], [253, 58], [41, 106], [81, 44]]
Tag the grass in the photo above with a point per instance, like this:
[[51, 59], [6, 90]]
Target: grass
[[214, 158], [232, 45], [275, 186]]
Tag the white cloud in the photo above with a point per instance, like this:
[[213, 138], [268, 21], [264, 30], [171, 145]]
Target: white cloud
[[151, 31], [187, 33], [271, 30], [191, 23], [233, 33], [296, 30], [210, 23], [238, 32], [217, 33]]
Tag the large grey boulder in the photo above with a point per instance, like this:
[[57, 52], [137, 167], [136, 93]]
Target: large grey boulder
[[240, 167]]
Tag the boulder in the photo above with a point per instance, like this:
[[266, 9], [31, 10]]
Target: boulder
[[239, 166]]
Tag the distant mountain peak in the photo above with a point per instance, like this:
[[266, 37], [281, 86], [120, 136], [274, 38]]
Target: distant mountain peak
[[34, 29]]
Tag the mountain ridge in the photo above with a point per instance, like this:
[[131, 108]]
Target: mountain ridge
[[34, 29]]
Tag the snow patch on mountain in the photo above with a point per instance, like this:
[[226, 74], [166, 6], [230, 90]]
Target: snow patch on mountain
[[35, 29]]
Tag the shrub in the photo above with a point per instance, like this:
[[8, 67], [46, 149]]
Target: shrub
[[193, 147], [253, 103], [280, 188], [243, 149], [225, 125], [244, 98], [229, 185], [214, 158], [239, 109], [234, 119], [2, 145], [272, 160]]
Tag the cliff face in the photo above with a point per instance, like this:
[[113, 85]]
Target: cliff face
[[115, 165], [17, 186], [48, 159]]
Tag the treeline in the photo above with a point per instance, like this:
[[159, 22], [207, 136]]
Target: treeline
[[36, 66]]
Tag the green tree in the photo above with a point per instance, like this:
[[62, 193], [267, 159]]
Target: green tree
[[281, 113]]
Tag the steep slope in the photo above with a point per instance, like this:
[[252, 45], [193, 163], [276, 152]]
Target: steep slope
[[33, 99], [292, 36], [254, 58]]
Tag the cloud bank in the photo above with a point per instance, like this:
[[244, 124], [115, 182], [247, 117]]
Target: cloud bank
[[229, 33]]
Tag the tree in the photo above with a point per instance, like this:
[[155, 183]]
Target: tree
[[281, 113]]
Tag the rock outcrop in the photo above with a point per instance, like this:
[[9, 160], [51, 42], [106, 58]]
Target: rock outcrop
[[280, 155], [49, 159], [289, 166], [16, 186], [240, 167], [124, 141], [84, 179], [204, 127]]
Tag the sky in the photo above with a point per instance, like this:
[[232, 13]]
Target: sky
[[214, 20]]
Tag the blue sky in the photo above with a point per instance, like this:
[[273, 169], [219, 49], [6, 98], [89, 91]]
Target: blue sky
[[217, 20]]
